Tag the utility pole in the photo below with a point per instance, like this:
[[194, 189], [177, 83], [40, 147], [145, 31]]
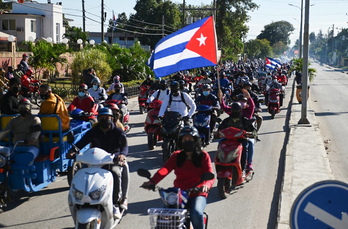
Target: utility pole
[[102, 21], [83, 16], [162, 26], [304, 119], [301, 29], [183, 14], [333, 34]]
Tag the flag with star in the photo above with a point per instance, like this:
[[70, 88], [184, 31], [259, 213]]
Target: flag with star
[[193, 46]]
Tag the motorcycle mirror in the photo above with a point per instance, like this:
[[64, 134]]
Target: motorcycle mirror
[[144, 173], [207, 176], [71, 137]]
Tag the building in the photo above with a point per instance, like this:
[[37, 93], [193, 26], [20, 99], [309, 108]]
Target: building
[[29, 21]]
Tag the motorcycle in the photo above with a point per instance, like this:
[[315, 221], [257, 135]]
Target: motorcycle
[[91, 192], [201, 121], [170, 128], [228, 161], [273, 106], [142, 98], [124, 117], [152, 124], [33, 93], [175, 215], [282, 79]]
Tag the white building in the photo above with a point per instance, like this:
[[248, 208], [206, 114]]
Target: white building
[[32, 20]]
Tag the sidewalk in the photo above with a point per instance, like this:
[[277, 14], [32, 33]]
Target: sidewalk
[[306, 161]]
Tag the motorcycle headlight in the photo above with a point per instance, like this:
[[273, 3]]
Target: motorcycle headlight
[[2, 161], [97, 194], [77, 193], [232, 155]]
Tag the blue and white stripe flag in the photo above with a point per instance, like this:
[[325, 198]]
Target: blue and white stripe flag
[[272, 63], [193, 46]]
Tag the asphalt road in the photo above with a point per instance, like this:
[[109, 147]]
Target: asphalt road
[[329, 97], [253, 205]]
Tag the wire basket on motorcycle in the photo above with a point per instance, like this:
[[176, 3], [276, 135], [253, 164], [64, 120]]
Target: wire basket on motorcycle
[[166, 218]]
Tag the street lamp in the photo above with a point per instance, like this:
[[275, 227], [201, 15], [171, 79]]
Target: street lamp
[[92, 42], [11, 38], [300, 53], [79, 41]]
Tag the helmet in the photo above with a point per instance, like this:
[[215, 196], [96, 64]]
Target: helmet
[[24, 104], [117, 78], [181, 82], [105, 111], [29, 72], [241, 97], [95, 81], [112, 106], [246, 83], [203, 73], [117, 85], [157, 78], [174, 85], [148, 77], [83, 86], [206, 87], [236, 107], [163, 82], [189, 130]]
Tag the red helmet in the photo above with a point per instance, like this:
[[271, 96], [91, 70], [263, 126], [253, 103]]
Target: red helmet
[[83, 86], [112, 106]]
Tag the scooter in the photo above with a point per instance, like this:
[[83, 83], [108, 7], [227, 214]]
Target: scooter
[[153, 125], [201, 121], [142, 98], [175, 215], [91, 191], [273, 102], [228, 161], [170, 128]]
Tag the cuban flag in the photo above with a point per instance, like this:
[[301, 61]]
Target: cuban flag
[[114, 19], [193, 46], [272, 63]]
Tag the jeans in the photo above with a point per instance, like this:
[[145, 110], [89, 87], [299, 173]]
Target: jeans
[[121, 181], [250, 150], [197, 205], [244, 154]]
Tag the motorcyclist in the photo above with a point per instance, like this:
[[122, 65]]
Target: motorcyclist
[[97, 91], [107, 136], [155, 86], [116, 80], [88, 76], [178, 101], [206, 98], [25, 82], [116, 113], [237, 120], [182, 86], [188, 165], [9, 73], [267, 80], [24, 63], [148, 82], [9, 102], [54, 104], [86, 103], [160, 94], [205, 80], [117, 95], [25, 127], [225, 84], [277, 85]]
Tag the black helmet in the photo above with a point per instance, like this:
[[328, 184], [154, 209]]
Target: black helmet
[[189, 130], [236, 109], [164, 82], [241, 97], [206, 86], [117, 86], [182, 84], [105, 111], [148, 77]]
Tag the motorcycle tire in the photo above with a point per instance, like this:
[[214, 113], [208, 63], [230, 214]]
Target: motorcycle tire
[[151, 141], [168, 149], [223, 187], [37, 99], [72, 170], [142, 109], [273, 114]]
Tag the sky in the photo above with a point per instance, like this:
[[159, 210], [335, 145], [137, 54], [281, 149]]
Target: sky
[[324, 14]]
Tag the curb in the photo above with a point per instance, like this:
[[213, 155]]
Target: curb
[[306, 160]]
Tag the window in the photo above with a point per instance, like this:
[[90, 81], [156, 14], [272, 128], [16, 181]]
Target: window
[[57, 32], [8, 24], [33, 26]]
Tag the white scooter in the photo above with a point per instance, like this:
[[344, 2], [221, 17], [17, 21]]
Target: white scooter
[[91, 191]]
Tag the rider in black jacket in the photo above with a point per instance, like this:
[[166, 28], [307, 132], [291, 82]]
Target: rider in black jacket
[[9, 102]]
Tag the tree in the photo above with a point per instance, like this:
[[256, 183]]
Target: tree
[[47, 55], [120, 25], [90, 58], [258, 48], [277, 31], [75, 33], [312, 37], [279, 48], [297, 66]]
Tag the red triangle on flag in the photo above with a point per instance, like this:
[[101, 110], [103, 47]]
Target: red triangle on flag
[[203, 41], [267, 61]]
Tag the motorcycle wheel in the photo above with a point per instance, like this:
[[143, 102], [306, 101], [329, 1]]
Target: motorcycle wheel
[[38, 99], [151, 141], [142, 109], [168, 149], [72, 170], [273, 114], [223, 187]]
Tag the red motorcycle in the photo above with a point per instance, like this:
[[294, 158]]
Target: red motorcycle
[[153, 125], [273, 102], [228, 161], [282, 79], [142, 98], [32, 92]]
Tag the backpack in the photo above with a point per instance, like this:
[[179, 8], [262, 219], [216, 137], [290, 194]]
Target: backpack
[[182, 99]]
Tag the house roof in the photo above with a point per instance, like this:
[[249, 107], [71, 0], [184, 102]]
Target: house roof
[[4, 36], [24, 14]]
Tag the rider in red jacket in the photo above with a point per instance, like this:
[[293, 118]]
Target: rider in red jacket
[[86, 103]]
